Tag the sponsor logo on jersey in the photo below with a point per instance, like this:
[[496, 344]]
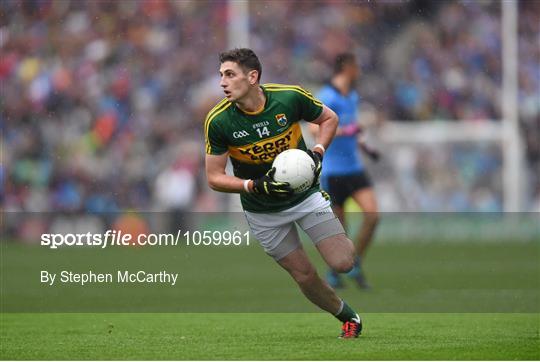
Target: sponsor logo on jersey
[[281, 119], [265, 150], [240, 134]]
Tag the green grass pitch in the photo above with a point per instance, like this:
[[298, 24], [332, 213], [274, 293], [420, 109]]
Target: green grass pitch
[[290, 336], [450, 301]]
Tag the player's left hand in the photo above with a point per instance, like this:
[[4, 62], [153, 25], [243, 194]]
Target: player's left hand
[[317, 159]]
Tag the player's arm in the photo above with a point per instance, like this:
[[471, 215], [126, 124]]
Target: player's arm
[[349, 130], [328, 124], [372, 152], [219, 180]]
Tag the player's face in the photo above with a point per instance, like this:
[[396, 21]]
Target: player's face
[[235, 83], [353, 71]]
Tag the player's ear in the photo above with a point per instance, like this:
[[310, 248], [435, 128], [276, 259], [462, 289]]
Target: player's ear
[[253, 77]]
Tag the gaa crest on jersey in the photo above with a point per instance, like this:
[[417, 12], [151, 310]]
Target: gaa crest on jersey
[[240, 134], [281, 119]]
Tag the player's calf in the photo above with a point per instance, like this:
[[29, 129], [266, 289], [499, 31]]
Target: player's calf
[[304, 277]]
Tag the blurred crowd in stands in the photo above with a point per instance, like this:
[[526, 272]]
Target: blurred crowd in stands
[[103, 101]]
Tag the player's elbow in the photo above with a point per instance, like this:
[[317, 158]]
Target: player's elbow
[[212, 181], [332, 119], [214, 186]]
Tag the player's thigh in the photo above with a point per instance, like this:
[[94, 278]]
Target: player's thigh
[[289, 244], [276, 233], [363, 193], [366, 199], [323, 227], [319, 222], [340, 213], [337, 251]]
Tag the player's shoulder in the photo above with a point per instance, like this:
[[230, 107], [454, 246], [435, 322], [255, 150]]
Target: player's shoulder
[[290, 92], [218, 112], [286, 89]]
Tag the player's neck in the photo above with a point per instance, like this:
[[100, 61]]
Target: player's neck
[[253, 102], [342, 83]]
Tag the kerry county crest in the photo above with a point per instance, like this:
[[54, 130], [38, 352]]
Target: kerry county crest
[[281, 119]]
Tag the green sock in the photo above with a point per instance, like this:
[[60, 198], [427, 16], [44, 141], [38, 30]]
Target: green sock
[[345, 313]]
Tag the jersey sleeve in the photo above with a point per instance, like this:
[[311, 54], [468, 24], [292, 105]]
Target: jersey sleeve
[[214, 139], [310, 107]]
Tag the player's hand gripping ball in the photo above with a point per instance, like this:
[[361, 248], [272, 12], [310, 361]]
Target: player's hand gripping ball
[[317, 159], [267, 185], [297, 168]]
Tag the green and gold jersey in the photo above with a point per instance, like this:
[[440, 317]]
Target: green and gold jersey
[[254, 140]]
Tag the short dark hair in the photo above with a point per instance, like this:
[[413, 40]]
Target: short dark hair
[[244, 57], [342, 60]]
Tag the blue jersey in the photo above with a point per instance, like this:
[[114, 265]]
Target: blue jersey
[[342, 156]]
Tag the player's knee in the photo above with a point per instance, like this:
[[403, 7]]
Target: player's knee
[[344, 264]]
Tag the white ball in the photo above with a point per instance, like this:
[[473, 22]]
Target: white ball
[[295, 167]]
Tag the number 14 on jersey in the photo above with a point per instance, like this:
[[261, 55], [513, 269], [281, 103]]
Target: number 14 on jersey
[[263, 132]]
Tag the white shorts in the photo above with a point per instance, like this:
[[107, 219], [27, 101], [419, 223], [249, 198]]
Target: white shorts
[[277, 233]]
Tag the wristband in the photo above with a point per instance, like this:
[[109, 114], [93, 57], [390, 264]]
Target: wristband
[[321, 147], [246, 186]]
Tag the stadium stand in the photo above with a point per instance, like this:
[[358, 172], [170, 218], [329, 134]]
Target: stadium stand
[[99, 97]]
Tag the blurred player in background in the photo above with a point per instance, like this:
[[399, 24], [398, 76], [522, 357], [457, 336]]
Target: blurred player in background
[[344, 174], [252, 125]]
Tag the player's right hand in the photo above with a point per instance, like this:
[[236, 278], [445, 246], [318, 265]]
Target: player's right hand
[[266, 185]]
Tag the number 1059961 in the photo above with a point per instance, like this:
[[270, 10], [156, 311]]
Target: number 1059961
[[216, 238]]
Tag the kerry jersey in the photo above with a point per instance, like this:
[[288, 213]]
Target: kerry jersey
[[342, 156], [254, 140]]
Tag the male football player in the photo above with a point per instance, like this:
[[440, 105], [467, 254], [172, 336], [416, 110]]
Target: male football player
[[343, 174], [251, 126]]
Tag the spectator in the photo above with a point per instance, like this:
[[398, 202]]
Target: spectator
[[97, 95]]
